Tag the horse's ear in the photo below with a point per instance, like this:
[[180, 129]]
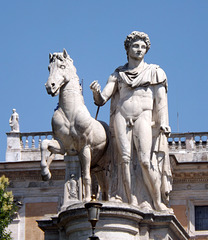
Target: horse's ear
[[65, 54], [50, 57]]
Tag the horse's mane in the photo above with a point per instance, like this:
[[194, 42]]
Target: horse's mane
[[59, 55]]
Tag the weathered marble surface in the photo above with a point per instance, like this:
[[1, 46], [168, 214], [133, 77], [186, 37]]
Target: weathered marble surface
[[13, 152], [139, 128], [75, 132], [137, 155], [14, 121], [117, 221]]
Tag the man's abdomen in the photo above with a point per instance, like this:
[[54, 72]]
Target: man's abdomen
[[134, 101]]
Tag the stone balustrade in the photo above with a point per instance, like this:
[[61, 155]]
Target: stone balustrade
[[32, 140], [194, 141], [189, 147], [177, 141], [26, 146]]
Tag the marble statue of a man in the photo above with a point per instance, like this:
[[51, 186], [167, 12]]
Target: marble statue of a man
[[138, 93], [14, 121]]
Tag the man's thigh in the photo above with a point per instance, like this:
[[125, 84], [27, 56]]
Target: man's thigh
[[142, 132]]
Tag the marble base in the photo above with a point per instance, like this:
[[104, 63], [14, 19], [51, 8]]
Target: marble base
[[13, 152], [117, 221]]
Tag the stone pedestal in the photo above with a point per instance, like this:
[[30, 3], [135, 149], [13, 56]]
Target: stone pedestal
[[73, 181], [117, 221], [13, 152]]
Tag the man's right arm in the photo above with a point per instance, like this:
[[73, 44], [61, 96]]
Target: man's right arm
[[101, 98]]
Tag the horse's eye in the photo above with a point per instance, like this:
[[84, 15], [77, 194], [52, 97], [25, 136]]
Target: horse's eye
[[49, 69], [62, 66]]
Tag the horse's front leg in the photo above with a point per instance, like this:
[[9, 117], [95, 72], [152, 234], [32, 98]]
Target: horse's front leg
[[85, 159], [54, 147]]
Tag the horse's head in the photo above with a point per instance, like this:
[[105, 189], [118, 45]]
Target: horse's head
[[61, 71]]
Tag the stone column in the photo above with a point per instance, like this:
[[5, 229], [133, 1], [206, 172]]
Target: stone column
[[13, 152]]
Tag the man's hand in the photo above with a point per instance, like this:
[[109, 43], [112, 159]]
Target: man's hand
[[97, 95], [165, 129], [95, 86]]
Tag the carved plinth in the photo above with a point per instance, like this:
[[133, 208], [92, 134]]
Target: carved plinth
[[13, 152], [73, 181], [117, 221]]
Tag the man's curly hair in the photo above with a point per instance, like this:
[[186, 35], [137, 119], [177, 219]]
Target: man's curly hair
[[134, 36]]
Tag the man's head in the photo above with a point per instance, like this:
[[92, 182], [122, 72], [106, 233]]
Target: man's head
[[135, 35]]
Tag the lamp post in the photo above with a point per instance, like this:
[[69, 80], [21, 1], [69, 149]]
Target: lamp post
[[93, 210]]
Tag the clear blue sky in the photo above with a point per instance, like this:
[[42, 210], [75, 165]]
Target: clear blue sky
[[93, 33]]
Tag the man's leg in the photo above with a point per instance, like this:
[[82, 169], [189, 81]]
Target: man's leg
[[142, 135], [123, 139]]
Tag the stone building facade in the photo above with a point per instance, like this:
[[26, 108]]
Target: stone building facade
[[189, 198]]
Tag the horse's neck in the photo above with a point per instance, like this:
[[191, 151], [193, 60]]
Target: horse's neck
[[72, 86], [70, 97]]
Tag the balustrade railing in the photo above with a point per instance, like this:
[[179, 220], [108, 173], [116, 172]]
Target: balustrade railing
[[188, 141], [26, 146], [177, 141], [32, 140]]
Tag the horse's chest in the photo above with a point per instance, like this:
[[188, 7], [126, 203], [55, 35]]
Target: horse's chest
[[71, 132]]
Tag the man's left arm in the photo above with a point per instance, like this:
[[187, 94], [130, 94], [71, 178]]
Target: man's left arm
[[161, 102]]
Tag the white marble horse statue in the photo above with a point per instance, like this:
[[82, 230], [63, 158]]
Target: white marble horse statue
[[75, 132]]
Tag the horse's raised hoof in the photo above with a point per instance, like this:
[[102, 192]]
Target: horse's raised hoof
[[46, 177]]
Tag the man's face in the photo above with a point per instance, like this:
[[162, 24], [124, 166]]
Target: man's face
[[137, 49]]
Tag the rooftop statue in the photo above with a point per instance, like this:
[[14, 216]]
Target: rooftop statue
[[75, 132], [14, 121], [139, 122]]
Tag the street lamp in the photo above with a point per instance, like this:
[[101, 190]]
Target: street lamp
[[93, 209]]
